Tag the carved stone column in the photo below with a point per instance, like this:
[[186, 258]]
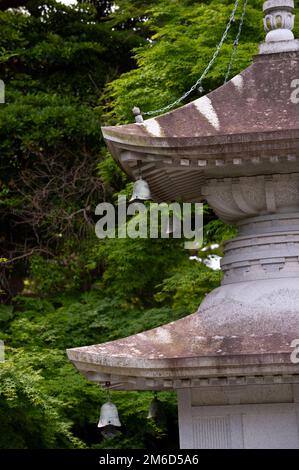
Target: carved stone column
[[261, 266]]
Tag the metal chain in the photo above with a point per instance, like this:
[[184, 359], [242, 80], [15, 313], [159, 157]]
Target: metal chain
[[198, 82], [236, 42]]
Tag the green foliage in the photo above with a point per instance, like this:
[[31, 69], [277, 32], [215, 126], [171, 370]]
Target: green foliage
[[69, 271], [124, 258], [30, 416], [91, 318], [55, 64], [112, 176], [217, 231], [189, 285], [67, 70], [58, 401], [184, 35]]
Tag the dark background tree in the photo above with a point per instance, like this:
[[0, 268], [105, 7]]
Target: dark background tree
[[55, 65]]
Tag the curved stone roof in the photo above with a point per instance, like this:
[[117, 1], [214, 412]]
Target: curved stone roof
[[255, 101], [177, 354], [253, 116], [233, 335]]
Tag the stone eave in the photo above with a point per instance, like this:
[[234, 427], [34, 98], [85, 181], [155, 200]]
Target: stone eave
[[120, 139], [201, 371], [233, 131], [139, 359]]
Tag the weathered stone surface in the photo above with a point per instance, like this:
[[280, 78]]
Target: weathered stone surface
[[236, 199], [191, 348], [236, 130]]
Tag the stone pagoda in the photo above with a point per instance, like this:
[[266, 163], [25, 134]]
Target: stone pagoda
[[238, 148]]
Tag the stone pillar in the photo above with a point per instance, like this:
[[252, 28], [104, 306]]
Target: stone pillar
[[259, 297], [241, 417], [261, 266]]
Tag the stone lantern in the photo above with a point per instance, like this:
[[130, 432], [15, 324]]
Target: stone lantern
[[238, 148]]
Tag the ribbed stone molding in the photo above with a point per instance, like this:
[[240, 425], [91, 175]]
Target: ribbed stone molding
[[279, 24], [267, 248], [236, 199], [266, 209]]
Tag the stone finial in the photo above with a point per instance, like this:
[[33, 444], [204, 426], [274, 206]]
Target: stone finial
[[279, 24], [137, 114], [279, 20]]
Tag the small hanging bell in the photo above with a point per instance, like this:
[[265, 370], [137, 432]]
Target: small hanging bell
[[141, 191], [109, 416], [156, 411]]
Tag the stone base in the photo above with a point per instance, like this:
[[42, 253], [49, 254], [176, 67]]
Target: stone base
[[279, 46], [252, 417]]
